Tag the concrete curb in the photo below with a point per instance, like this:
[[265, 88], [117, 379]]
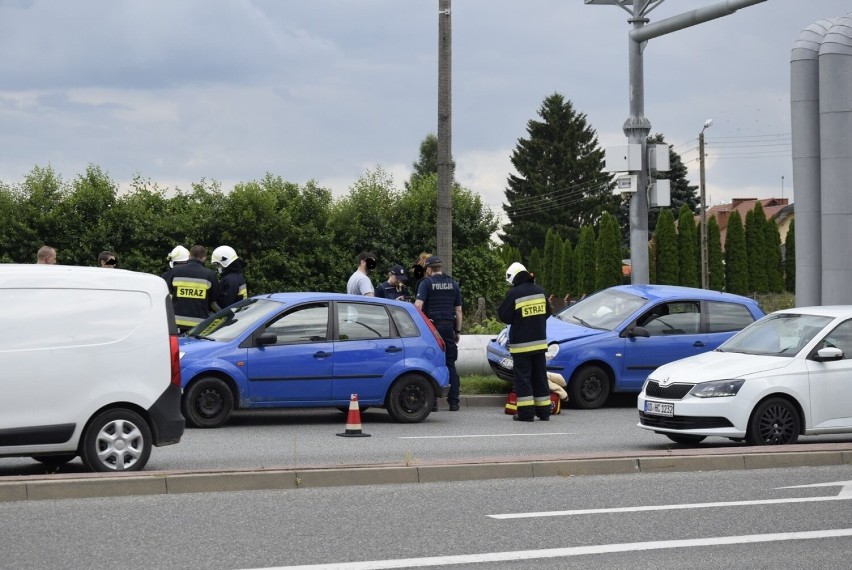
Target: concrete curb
[[52, 487]]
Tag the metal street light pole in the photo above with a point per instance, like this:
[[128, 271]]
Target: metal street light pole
[[445, 131], [705, 263]]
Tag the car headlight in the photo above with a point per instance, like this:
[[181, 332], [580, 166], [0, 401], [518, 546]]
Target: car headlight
[[552, 351], [503, 337], [717, 389]]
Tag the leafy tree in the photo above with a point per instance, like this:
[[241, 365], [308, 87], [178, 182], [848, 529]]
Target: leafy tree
[[608, 267], [38, 199], [715, 263], [774, 270], [755, 237], [584, 261], [560, 183], [790, 258], [666, 246], [686, 239], [736, 257]]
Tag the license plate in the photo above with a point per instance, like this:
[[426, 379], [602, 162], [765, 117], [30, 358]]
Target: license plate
[[507, 363], [659, 408]]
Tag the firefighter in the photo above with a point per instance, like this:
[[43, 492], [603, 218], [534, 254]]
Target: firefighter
[[526, 309], [193, 286], [232, 283]]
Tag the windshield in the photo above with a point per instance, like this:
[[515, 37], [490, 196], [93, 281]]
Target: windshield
[[784, 334], [604, 310], [228, 324]]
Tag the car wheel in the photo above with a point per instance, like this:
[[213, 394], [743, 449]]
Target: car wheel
[[208, 403], [410, 399], [589, 388], [53, 460], [686, 439], [774, 422], [116, 440]]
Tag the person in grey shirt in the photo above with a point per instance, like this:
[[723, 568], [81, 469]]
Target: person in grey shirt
[[359, 282]]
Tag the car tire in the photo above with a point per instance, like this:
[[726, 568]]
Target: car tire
[[686, 439], [53, 460], [116, 440], [589, 388], [410, 399], [774, 422], [208, 403]]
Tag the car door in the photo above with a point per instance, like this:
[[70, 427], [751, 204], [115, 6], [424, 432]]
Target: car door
[[674, 333], [831, 382], [298, 366], [367, 352]]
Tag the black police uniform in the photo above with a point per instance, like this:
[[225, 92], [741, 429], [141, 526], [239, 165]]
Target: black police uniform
[[194, 290], [526, 308], [388, 291], [232, 285], [441, 295]]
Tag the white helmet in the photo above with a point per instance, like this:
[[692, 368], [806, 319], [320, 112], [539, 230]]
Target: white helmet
[[513, 270], [177, 255], [223, 255]]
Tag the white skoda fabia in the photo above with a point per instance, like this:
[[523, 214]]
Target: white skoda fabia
[[786, 375]]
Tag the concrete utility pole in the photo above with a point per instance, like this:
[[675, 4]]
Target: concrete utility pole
[[705, 263], [445, 129], [637, 126]]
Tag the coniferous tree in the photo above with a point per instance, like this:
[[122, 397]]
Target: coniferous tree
[[556, 266], [755, 237], [608, 266], [687, 275], [774, 271], [534, 265], [584, 261], [665, 241], [790, 258], [560, 182], [736, 257], [715, 259], [544, 276], [567, 281]]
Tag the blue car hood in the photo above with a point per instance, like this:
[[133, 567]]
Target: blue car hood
[[560, 331]]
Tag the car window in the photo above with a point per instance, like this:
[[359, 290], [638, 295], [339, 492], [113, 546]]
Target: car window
[[783, 334], [404, 323], [362, 321], [306, 323], [727, 317], [604, 310], [840, 337], [683, 317]]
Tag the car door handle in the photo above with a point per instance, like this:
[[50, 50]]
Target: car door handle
[[322, 354], [697, 344], [393, 349]]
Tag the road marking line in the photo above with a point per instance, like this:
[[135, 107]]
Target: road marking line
[[486, 435], [527, 555]]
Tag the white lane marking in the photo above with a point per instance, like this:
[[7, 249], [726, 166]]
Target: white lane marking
[[486, 435], [844, 495], [527, 555]]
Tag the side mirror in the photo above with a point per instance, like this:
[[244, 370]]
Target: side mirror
[[638, 331], [828, 353], [266, 338]]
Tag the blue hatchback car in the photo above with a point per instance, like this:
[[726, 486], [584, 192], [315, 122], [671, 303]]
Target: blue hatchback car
[[296, 350], [610, 341]]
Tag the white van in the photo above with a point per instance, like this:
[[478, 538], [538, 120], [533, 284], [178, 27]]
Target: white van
[[89, 366]]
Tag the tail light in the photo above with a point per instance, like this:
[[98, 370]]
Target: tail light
[[435, 332], [175, 358]]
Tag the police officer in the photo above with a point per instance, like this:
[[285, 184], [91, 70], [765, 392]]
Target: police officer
[[526, 309], [439, 296], [394, 287], [193, 286], [232, 283]]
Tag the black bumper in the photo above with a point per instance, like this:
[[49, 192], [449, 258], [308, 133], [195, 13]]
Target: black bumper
[[167, 422]]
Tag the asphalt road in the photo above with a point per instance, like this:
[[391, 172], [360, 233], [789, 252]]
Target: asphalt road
[[769, 518]]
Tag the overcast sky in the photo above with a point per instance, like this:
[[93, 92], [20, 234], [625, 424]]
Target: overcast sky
[[180, 90]]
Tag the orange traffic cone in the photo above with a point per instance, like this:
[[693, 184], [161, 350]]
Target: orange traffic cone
[[353, 420]]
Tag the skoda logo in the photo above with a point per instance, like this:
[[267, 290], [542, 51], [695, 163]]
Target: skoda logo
[[665, 382]]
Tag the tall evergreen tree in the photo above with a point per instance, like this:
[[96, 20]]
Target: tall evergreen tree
[[774, 270], [687, 275], [534, 266], [755, 237], [736, 256], [546, 271], [715, 259], [567, 281], [790, 258], [584, 261], [556, 266], [665, 246], [608, 266], [560, 182]]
